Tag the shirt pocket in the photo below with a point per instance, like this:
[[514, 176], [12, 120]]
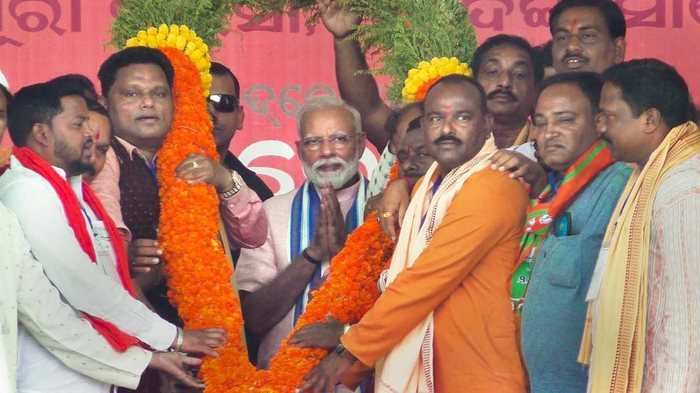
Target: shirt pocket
[[564, 257]]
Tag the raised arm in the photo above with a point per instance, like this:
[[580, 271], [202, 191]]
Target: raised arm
[[357, 86]]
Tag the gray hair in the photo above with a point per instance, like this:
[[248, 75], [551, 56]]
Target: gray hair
[[326, 102]]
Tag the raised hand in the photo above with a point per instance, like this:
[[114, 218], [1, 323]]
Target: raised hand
[[339, 21], [336, 222]]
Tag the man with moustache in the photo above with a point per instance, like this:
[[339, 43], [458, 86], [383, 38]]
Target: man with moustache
[[137, 87], [587, 35], [506, 67], [644, 315], [445, 323], [74, 239], [564, 230], [308, 226]]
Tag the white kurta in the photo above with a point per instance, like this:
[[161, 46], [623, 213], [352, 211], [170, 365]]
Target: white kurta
[[93, 288], [673, 311], [27, 297]]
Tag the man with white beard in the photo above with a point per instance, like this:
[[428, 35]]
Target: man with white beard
[[308, 226]]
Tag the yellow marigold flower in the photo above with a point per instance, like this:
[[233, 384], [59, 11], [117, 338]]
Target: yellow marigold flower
[[172, 39], [163, 29], [152, 41], [424, 75], [195, 55], [180, 42], [142, 35], [206, 77], [420, 78], [152, 31], [174, 29], [202, 64], [132, 42], [190, 48]]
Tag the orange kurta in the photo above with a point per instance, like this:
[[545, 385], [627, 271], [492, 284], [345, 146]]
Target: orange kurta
[[463, 275]]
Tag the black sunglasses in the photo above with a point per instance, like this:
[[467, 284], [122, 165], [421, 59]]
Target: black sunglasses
[[223, 102]]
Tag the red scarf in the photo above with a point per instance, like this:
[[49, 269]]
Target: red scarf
[[119, 340]]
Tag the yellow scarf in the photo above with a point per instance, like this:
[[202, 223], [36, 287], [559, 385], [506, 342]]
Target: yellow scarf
[[614, 337]]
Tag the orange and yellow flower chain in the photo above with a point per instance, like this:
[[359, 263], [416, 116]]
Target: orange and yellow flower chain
[[199, 272]]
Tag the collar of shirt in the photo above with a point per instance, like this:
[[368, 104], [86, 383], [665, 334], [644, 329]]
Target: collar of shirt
[[131, 149]]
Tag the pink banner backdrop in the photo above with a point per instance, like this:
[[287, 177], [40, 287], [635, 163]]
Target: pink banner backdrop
[[281, 61]]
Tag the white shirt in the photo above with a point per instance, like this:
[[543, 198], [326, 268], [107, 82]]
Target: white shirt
[[673, 312], [93, 288], [28, 296]]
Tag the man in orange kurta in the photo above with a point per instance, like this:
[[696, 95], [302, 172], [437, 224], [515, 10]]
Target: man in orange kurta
[[452, 294]]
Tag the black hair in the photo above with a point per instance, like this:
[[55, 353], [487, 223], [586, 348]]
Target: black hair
[[393, 120], [590, 84], [95, 106], [611, 12], [6, 92], [77, 81], [512, 40], [651, 83], [221, 70], [415, 124], [37, 103], [129, 56], [544, 54], [459, 79]]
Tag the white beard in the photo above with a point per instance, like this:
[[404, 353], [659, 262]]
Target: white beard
[[336, 179]]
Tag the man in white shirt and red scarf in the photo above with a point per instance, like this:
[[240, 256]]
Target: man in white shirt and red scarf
[[308, 226], [29, 299], [74, 239]]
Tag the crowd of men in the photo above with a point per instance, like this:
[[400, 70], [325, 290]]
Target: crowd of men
[[546, 221]]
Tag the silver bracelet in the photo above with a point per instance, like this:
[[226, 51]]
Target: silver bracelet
[[234, 189], [180, 339]]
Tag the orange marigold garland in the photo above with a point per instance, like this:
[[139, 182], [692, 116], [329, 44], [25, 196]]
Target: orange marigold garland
[[199, 272], [197, 268]]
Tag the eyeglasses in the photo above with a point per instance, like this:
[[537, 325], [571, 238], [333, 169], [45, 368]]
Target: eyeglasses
[[338, 141], [223, 102]]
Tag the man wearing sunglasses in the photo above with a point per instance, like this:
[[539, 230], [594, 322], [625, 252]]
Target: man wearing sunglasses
[[227, 115]]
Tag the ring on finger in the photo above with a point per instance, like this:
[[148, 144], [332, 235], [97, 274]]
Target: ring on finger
[[195, 165], [387, 214]]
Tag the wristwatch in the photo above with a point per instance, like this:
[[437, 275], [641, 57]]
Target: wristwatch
[[237, 181]]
